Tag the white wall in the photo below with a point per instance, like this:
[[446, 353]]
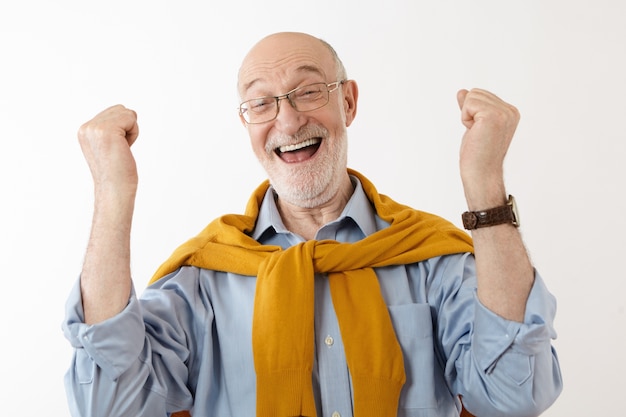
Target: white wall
[[561, 62]]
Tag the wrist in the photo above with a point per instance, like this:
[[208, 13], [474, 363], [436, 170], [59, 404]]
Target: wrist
[[114, 205], [107, 191], [484, 194]]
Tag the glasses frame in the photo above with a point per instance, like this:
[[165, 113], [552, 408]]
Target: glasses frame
[[335, 85]]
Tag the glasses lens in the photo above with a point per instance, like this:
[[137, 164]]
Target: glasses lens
[[259, 110], [309, 97]]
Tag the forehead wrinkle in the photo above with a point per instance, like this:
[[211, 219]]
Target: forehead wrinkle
[[302, 69], [272, 68]]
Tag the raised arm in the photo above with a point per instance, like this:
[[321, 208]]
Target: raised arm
[[504, 272], [105, 280]]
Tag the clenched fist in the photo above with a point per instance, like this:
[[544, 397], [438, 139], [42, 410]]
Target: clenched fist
[[490, 124], [105, 141]]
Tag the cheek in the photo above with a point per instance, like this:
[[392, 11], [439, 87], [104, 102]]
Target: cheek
[[257, 139], [337, 115]]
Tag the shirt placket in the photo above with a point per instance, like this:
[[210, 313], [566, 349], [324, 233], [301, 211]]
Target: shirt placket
[[334, 376]]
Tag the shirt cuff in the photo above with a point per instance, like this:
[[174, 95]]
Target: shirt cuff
[[494, 335], [114, 344]]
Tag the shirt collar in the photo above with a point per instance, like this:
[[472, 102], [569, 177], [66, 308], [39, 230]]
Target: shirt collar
[[359, 209]]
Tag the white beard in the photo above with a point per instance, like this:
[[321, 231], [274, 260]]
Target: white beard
[[308, 184]]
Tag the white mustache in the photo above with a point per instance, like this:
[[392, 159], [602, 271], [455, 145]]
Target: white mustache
[[306, 132]]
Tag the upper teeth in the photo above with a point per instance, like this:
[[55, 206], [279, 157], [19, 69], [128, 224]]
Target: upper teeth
[[296, 146]]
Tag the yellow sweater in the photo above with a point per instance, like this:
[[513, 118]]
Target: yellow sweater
[[283, 327]]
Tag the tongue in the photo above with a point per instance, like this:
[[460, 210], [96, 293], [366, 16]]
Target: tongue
[[299, 155]]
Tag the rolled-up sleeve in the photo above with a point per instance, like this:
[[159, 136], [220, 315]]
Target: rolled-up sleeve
[[509, 368], [131, 364], [101, 342]]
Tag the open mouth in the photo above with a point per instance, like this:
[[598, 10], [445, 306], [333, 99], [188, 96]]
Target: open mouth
[[299, 152]]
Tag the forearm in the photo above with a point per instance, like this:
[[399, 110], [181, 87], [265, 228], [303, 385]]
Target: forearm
[[105, 278], [504, 272]]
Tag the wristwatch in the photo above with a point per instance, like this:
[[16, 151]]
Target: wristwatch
[[491, 217]]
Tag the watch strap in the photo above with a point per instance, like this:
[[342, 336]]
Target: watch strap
[[491, 217]]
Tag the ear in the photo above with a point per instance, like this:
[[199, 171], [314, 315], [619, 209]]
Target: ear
[[350, 98]]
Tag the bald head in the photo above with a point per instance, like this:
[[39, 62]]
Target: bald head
[[283, 54]]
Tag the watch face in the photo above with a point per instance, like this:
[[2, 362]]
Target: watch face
[[513, 205]]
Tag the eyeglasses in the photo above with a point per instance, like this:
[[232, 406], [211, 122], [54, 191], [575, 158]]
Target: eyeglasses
[[306, 98]]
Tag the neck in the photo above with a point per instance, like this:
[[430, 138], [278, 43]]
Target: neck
[[307, 221]]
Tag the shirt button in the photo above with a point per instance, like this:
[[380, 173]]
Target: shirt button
[[336, 414], [329, 342]]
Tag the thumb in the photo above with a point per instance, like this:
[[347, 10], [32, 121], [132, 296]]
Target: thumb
[[132, 133], [460, 97], [467, 118]]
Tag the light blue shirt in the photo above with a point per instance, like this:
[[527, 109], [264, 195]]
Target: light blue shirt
[[186, 343]]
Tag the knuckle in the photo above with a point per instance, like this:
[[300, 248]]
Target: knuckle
[[84, 132]]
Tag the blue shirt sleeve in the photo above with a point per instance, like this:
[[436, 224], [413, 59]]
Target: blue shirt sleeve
[[134, 363], [491, 362]]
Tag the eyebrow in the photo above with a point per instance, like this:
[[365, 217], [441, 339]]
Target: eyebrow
[[301, 68]]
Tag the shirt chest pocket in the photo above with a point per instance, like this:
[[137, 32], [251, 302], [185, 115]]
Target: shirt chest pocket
[[414, 330]]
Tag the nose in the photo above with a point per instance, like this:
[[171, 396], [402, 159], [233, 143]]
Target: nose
[[288, 120]]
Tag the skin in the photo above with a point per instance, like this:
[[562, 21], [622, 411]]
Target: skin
[[313, 187]]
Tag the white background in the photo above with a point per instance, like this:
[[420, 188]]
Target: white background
[[561, 62]]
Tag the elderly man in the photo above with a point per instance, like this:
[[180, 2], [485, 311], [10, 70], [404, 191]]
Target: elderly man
[[325, 298]]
